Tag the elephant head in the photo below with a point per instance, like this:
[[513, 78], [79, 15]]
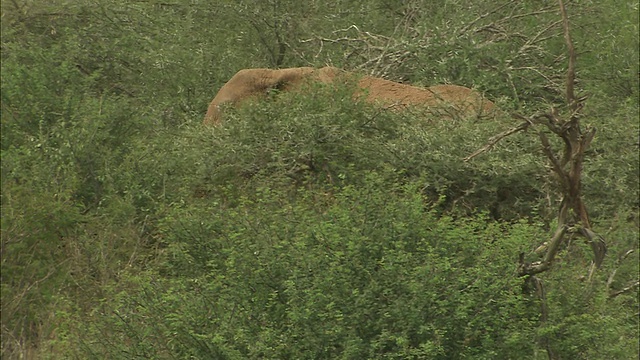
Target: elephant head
[[249, 83]]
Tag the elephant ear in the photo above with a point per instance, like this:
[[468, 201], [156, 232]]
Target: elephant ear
[[328, 74], [248, 83], [466, 100], [287, 79], [280, 85]]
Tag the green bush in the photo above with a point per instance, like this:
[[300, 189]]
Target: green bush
[[374, 274], [307, 226], [323, 137]]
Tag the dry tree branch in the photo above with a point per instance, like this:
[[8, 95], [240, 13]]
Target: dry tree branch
[[626, 289], [497, 138], [557, 166], [613, 294], [576, 143], [568, 167], [544, 313], [473, 22], [571, 71], [537, 37], [504, 20], [394, 57], [374, 54], [537, 71]]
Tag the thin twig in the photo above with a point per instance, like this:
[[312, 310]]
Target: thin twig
[[497, 138], [571, 71], [490, 12], [626, 289]]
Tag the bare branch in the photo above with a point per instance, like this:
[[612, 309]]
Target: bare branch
[[571, 71], [629, 252], [552, 248], [537, 37], [625, 290], [497, 138], [597, 244], [473, 22], [557, 167], [613, 273]]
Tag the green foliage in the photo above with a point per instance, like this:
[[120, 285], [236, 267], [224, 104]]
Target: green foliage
[[374, 274], [320, 137], [607, 69], [619, 128], [307, 226]]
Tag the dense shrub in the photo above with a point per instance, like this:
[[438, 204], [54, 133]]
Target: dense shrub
[[307, 226], [374, 273]]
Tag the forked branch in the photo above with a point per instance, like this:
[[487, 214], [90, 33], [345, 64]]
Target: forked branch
[[567, 165], [576, 143]]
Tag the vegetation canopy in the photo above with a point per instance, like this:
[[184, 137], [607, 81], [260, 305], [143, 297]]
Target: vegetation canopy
[[308, 225]]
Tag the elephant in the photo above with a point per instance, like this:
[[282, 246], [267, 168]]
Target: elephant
[[453, 100]]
